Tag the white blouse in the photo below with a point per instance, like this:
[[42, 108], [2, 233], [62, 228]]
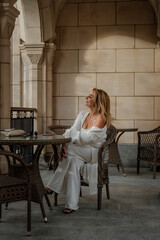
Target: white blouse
[[92, 137]]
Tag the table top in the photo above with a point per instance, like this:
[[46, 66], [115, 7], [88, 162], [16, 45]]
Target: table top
[[39, 140], [127, 129]]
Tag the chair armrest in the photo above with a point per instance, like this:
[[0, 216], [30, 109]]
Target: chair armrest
[[158, 139], [147, 137], [157, 143], [155, 130], [8, 154]]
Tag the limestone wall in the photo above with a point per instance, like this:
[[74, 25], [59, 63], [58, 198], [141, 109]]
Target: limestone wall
[[110, 45]]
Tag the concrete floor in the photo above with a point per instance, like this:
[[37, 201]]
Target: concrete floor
[[133, 212]]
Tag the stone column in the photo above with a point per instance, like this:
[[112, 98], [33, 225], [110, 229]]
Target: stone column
[[37, 81], [32, 57], [8, 14], [47, 93], [47, 106]]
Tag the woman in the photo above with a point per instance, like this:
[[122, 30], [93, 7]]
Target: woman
[[87, 134]]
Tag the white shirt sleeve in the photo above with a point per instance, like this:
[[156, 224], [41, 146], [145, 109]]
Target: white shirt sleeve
[[77, 124], [92, 137]]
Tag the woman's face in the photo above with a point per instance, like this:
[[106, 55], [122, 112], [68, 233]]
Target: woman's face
[[90, 100]]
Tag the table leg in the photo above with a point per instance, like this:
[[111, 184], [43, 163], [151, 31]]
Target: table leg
[[55, 165], [118, 137]]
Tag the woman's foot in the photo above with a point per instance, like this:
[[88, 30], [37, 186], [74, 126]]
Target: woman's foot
[[48, 191], [68, 210]]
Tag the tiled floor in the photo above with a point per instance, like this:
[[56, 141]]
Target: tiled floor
[[133, 212]]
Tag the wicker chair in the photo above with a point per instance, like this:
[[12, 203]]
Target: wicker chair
[[14, 189], [149, 148], [37, 188], [102, 164]]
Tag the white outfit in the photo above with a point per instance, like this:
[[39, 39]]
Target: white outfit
[[83, 149]]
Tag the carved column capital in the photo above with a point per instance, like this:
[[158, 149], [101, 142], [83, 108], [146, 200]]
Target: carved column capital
[[35, 58], [8, 15], [32, 54]]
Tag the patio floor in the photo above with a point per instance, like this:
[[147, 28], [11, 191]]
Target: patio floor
[[133, 212]]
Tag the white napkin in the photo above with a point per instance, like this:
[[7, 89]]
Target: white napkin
[[12, 132]]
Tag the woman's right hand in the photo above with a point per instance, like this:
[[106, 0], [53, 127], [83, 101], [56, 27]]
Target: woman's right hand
[[63, 152]]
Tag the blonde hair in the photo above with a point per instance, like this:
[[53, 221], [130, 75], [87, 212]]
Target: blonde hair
[[102, 102]]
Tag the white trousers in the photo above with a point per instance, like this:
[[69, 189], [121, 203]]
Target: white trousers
[[66, 178]]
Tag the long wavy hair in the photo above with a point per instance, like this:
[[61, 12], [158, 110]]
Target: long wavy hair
[[102, 102]]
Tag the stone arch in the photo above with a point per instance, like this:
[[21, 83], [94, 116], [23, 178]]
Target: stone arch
[[30, 26], [47, 20], [49, 13], [58, 5], [38, 19]]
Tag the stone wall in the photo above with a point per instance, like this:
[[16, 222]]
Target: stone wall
[[110, 45]]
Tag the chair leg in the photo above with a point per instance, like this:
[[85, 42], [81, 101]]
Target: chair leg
[[154, 171], [29, 218], [55, 199], [118, 168], [43, 212], [48, 202], [138, 166], [29, 212], [0, 213], [107, 191], [80, 194], [6, 206], [99, 200]]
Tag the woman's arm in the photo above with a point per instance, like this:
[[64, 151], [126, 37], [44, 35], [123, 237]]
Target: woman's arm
[[77, 124], [90, 137]]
